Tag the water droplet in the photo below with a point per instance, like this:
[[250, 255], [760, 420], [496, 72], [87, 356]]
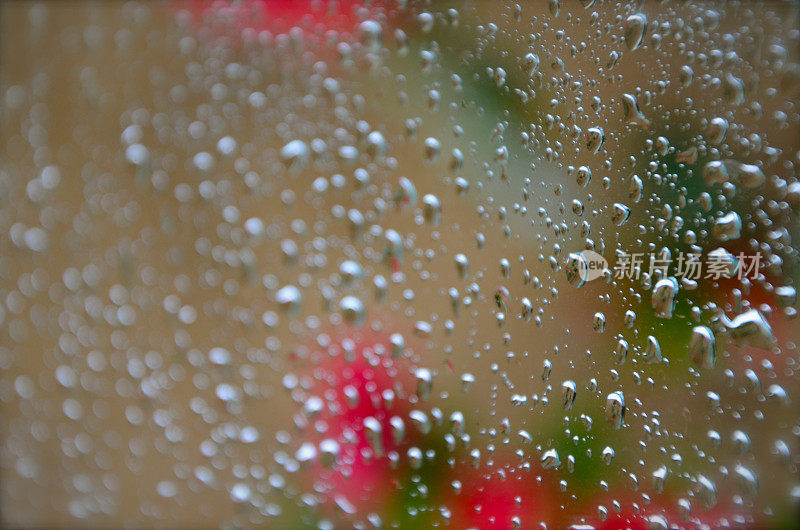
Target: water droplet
[[663, 298], [728, 227], [607, 456], [734, 90], [652, 353], [353, 310], [702, 347], [546, 369], [620, 214], [717, 129], [659, 477], [433, 209], [531, 63], [290, 299], [750, 328], [424, 383], [568, 393], [398, 428], [635, 30], [632, 113], [406, 195], [595, 137], [295, 154], [329, 450], [615, 409], [462, 265], [715, 172], [550, 459], [583, 176], [621, 352], [374, 433], [370, 32], [599, 324], [420, 421], [432, 148], [706, 490]]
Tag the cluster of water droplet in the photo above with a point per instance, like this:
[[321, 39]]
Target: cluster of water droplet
[[333, 265]]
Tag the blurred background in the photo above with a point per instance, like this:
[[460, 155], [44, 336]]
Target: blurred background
[[292, 264]]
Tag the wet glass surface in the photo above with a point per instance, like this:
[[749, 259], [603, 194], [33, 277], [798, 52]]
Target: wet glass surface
[[335, 264]]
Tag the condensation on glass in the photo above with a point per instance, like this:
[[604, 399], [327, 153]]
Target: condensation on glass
[[460, 265]]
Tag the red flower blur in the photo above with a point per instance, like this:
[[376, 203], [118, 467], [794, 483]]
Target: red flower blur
[[356, 409], [282, 15], [502, 498]]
